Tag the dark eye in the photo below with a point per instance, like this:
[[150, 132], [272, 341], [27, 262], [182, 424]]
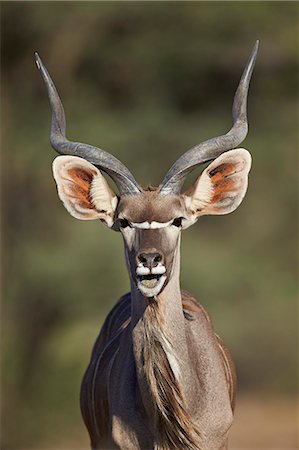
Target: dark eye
[[177, 222], [124, 223]]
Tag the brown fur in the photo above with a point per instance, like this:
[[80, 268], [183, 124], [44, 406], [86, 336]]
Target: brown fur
[[229, 371], [190, 303], [174, 427], [151, 206]]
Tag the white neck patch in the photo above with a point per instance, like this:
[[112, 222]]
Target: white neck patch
[[150, 225]]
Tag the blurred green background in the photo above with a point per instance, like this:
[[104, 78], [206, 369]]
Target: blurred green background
[[146, 81]]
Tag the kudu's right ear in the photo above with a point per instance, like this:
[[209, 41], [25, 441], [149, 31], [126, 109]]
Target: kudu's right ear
[[222, 185], [83, 190]]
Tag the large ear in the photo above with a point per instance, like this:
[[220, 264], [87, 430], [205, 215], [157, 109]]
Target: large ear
[[83, 189], [222, 185]]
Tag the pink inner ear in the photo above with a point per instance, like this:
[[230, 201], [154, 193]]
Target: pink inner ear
[[81, 182]]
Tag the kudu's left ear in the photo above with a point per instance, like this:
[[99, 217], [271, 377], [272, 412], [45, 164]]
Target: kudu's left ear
[[83, 190], [222, 185]]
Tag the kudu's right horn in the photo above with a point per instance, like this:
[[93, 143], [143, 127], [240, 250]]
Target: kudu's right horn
[[212, 148]]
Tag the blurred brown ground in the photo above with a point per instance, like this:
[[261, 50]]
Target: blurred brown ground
[[265, 422], [260, 423]]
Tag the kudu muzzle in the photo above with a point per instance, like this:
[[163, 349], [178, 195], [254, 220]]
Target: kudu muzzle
[[151, 261]]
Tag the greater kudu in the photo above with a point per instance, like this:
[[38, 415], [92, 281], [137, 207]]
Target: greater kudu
[[159, 377]]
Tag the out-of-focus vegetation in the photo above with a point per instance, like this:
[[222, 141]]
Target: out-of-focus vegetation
[[145, 81]]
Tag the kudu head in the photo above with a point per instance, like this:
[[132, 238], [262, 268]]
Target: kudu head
[[151, 220]]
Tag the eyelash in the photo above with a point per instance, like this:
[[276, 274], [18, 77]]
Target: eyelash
[[177, 222]]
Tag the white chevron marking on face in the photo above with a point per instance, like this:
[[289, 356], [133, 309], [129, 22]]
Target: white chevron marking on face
[[151, 225]]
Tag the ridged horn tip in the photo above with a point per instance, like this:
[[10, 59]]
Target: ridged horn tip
[[38, 61], [251, 61]]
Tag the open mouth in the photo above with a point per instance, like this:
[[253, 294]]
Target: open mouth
[[149, 281], [151, 284]]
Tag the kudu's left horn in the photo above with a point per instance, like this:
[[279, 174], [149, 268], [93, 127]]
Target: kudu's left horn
[[124, 180], [212, 148]]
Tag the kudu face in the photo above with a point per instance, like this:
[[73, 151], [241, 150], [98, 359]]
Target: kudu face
[[151, 226], [151, 220]]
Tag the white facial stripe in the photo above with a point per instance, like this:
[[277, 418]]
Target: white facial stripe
[[151, 225]]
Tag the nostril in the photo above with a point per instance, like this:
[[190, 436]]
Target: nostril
[[142, 259], [149, 259], [157, 258]]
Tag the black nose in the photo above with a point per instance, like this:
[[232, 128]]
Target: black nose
[[149, 260]]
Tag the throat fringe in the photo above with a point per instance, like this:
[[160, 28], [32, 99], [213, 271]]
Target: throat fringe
[[174, 426]]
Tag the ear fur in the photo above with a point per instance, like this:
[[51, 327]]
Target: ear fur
[[83, 190], [222, 185]]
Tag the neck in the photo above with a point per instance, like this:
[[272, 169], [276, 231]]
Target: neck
[[161, 358]]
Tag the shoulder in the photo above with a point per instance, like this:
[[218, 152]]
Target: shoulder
[[117, 320], [197, 315], [120, 312], [192, 308]]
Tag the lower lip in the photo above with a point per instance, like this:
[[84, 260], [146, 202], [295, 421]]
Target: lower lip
[[151, 286]]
